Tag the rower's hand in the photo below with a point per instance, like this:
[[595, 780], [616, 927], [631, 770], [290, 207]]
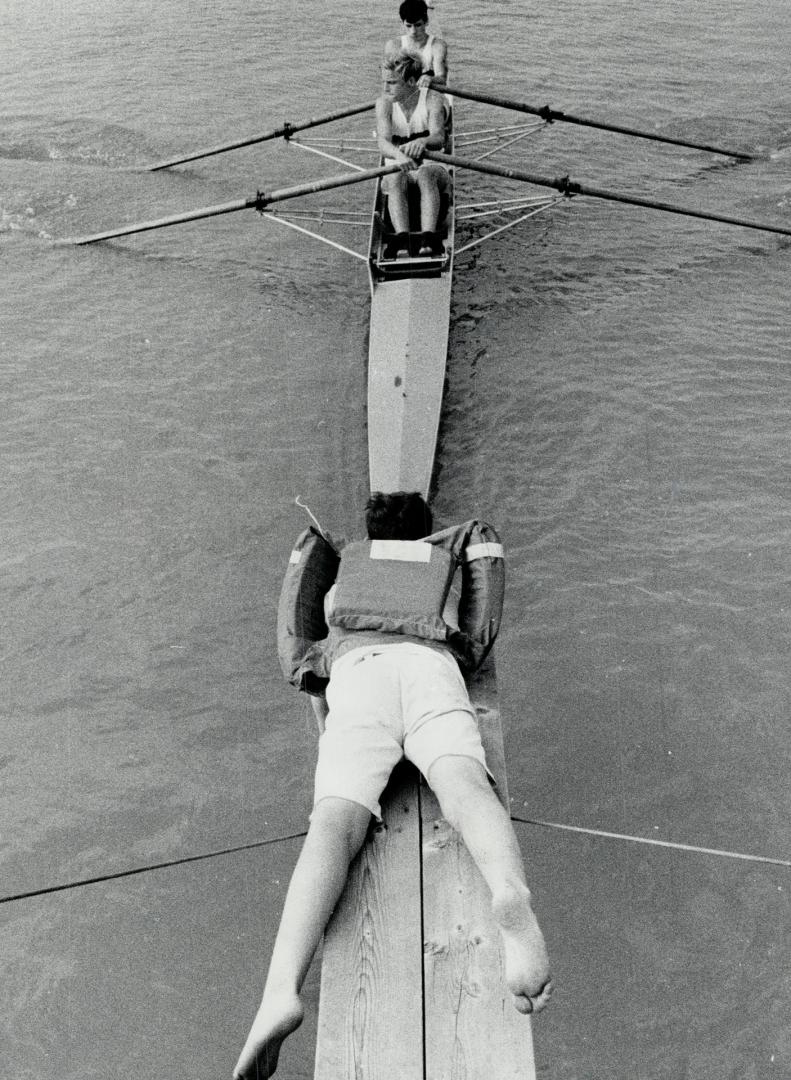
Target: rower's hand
[[405, 160], [425, 80], [415, 148]]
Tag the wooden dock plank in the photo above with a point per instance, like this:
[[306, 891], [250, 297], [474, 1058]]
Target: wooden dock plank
[[472, 1029], [370, 1024], [379, 1014]]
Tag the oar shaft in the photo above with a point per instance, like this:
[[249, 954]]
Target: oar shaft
[[570, 187], [686, 211], [652, 136], [162, 223], [283, 131], [550, 115], [257, 202], [344, 180]]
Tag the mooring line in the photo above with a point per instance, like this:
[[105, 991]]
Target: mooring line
[[99, 878], [653, 841], [149, 867]]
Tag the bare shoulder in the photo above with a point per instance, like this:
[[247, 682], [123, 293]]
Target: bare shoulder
[[392, 48]]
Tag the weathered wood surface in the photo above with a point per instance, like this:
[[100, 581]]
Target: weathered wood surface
[[370, 1010], [415, 898], [473, 1032]]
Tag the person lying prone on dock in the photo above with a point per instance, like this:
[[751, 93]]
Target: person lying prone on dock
[[394, 693], [409, 121]]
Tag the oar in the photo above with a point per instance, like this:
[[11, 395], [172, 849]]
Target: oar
[[566, 186], [254, 202], [554, 114], [284, 131]]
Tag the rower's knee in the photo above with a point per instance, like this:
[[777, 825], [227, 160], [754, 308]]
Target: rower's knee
[[426, 180], [395, 183]]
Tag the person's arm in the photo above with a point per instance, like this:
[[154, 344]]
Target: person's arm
[[435, 140], [320, 710], [439, 65], [384, 136]]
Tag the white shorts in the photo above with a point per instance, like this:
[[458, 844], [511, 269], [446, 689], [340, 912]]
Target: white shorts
[[387, 702]]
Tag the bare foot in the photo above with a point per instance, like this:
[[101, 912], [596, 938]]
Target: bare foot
[[278, 1016], [526, 961]]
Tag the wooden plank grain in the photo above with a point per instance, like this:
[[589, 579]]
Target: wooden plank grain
[[370, 1024], [415, 887], [472, 1030]]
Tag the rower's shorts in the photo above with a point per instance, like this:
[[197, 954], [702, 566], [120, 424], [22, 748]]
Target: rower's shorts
[[387, 702]]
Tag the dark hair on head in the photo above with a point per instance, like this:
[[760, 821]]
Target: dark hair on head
[[397, 515], [405, 66], [413, 11]]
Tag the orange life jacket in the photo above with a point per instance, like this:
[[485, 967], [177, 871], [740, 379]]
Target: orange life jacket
[[395, 589]]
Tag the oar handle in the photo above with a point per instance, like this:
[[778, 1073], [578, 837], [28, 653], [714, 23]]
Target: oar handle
[[550, 115]]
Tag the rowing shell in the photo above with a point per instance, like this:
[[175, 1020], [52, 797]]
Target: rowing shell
[[407, 353]]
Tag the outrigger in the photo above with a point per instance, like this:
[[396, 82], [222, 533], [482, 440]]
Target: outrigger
[[411, 980]]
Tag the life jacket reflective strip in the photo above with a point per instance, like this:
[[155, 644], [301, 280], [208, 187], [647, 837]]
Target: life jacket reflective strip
[[483, 551], [395, 596], [301, 626], [394, 586]]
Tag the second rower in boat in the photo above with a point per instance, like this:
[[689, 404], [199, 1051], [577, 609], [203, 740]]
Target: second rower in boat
[[409, 121], [416, 41]]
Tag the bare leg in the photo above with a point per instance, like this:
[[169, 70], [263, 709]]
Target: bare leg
[[473, 809], [337, 831], [429, 199], [397, 202]]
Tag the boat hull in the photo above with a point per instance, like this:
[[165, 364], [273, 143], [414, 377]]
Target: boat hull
[[407, 356]]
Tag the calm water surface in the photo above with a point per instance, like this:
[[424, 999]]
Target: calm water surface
[[618, 400]]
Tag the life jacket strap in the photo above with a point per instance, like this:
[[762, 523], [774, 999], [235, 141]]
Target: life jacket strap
[[401, 550]]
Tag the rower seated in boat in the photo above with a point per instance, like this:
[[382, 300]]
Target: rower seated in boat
[[416, 40], [409, 121]]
